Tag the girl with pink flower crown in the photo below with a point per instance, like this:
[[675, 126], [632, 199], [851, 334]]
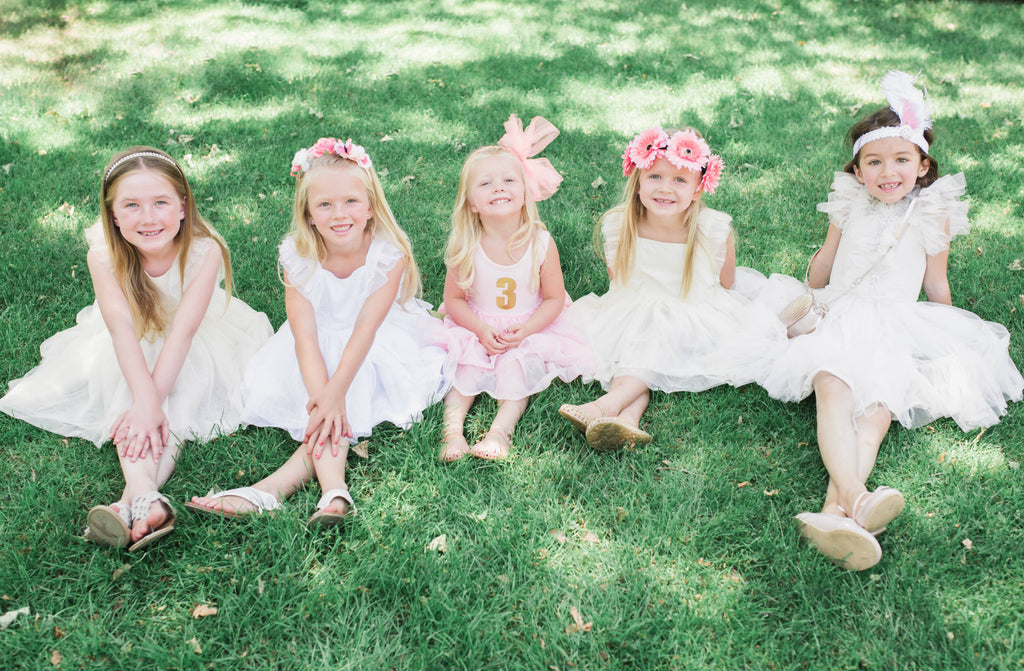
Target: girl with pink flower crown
[[503, 292], [356, 348], [158, 358], [879, 354], [669, 321]]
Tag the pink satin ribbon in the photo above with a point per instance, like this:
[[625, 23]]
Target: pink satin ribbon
[[541, 176]]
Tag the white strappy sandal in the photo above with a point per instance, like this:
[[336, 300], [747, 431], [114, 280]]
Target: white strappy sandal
[[140, 511], [264, 502], [323, 519]]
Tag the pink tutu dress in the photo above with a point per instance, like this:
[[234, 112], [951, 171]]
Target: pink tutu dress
[[920, 360], [502, 296]]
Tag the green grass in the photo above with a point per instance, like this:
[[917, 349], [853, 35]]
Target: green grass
[[679, 555]]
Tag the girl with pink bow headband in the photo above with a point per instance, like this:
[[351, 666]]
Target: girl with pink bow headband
[[503, 290]]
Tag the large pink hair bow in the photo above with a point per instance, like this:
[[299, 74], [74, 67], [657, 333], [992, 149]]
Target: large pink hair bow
[[541, 176]]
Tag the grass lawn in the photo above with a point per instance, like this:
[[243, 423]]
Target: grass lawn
[[682, 554]]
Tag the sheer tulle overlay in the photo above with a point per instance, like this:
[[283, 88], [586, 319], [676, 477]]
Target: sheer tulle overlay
[[647, 329], [78, 389], [557, 351], [919, 360]]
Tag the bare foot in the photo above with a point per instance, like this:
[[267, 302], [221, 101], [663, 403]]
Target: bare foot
[[494, 445], [454, 448]]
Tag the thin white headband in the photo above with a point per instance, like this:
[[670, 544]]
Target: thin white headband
[[140, 154], [909, 105]]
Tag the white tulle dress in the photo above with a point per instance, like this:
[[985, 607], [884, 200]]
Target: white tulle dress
[[647, 329], [78, 388], [405, 369], [920, 360]]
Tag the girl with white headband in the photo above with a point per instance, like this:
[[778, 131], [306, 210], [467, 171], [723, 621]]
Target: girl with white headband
[[158, 358], [879, 354], [357, 348], [669, 321]]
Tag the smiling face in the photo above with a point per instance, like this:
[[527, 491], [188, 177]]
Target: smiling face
[[496, 188], [147, 211], [889, 168], [667, 191], [339, 207]]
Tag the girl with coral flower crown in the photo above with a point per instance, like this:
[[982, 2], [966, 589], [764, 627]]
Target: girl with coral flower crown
[[669, 322], [357, 348], [503, 292], [879, 354]]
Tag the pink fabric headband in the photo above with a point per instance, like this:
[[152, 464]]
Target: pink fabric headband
[[329, 145], [541, 176], [909, 105], [685, 150]]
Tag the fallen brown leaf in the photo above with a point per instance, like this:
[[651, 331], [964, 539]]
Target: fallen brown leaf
[[202, 610]]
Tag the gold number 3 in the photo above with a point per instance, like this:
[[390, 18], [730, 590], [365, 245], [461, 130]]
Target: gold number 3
[[507, 299]]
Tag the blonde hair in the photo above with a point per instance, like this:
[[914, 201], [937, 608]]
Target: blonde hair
[[467, 227], [633, 210], [147, 309], [309, 243]]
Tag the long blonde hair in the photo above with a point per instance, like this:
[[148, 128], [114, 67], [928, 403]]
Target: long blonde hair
[[309, 243], [632, 211], [143, 297], [467, 227]]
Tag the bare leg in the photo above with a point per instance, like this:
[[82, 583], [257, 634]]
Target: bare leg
[[141, 476], [627, 397], [456, 407], [870, 430], [838, 444], [496, 443], [282, 483], [330, 472]]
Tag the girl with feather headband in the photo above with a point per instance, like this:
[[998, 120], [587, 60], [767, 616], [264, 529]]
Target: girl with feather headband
[[879, 354]]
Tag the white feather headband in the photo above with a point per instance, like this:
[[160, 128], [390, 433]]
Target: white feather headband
[[910, 106]]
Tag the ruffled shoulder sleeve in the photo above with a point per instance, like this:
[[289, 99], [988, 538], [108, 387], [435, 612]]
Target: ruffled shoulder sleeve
[[846, 195], [380, 259], [299, 268], [938, 204], [714, 230], [97, 242], [611, 233]]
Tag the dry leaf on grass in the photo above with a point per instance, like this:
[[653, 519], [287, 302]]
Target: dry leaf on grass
[[557, 535], [202, 610], [196, 648], [362, 448], [56, 658], [577, 622], [590, 537]]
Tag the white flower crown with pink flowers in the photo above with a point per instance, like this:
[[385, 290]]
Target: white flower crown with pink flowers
[[329, 145], [684, 149]]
